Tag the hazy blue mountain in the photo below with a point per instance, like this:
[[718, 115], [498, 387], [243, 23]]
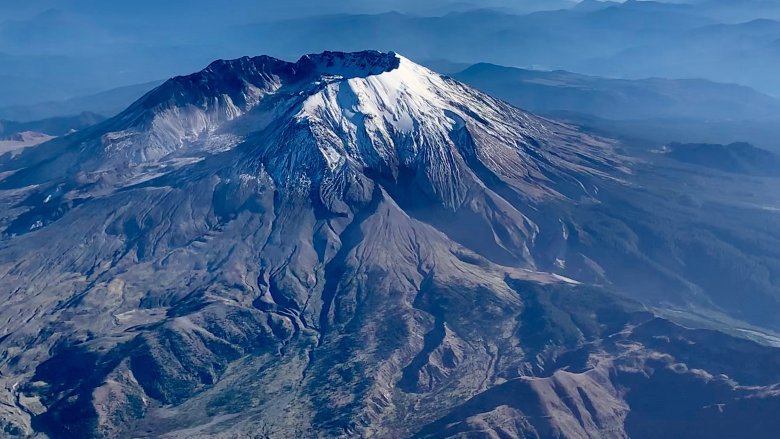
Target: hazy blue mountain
[[55, 31], [620, 99], [737, 11], [57, 126], [99, 45], [29, 78], [741, 158], [107, 103], [632, 40], [204, 10], [547, 38], [745, 53], [444, 66], [653, 133], [594, 5], [649, 112]]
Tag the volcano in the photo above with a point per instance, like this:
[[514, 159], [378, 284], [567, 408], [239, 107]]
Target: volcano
[[350, 245]]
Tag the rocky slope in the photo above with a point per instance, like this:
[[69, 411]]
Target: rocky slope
[[348, 245]]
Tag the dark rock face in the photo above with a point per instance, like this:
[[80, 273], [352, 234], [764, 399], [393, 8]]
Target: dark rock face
[[350, 245]]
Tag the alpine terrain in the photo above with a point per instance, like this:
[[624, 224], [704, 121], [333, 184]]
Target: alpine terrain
[[352, 245]]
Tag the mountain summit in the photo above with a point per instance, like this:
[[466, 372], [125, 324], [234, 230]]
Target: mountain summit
[[347, 245], [345, 113]]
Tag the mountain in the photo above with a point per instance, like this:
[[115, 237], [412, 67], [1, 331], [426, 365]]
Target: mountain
[[594, 5], [650, 112], [621, 99], [742, 10], [56, 126], [635, 39], [24, 139], [654, 133], [354, 245], [722, 52], [266, 9], [105, 104], [98, 45], [17, 135], [741, 158], [566, 39]]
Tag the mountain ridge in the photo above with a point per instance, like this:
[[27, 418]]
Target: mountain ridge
[[621, 98]]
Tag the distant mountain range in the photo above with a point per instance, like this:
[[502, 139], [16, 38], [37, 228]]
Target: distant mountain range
[[634, 39], [741, 158], [733, 42], [106, 103], [14, 136], [618, 99], [57, 126], [647, 112]]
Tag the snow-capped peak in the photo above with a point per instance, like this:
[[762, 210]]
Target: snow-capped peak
[[330, 118], [185, 108], [392, 116]]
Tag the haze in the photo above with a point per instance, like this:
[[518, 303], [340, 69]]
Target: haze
[[53, 50]]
